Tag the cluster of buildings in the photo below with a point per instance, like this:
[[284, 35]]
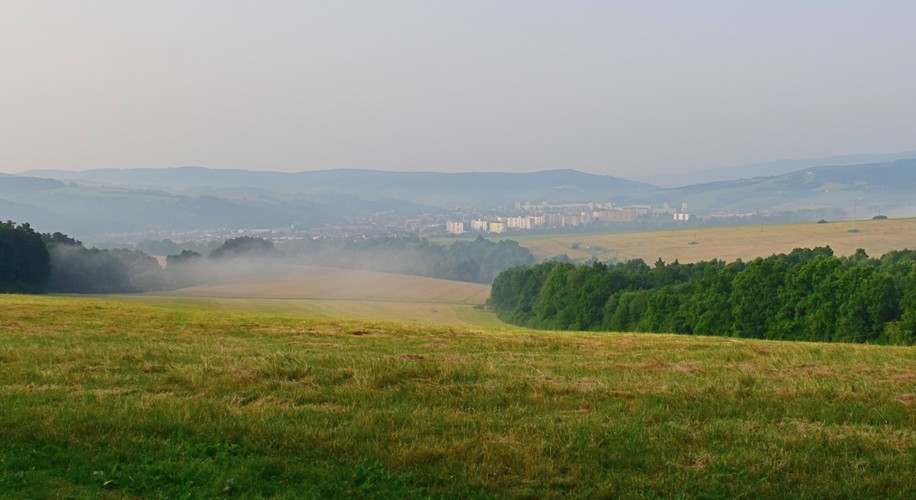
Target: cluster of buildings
[[544, 216], [525, 216]]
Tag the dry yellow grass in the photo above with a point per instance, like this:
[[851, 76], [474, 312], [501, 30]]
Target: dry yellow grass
[[406, 312], [307, 282], [729, 243]]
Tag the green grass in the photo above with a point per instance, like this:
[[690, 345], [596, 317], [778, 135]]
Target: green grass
[[329, 283], [404, 312], [117, 397]]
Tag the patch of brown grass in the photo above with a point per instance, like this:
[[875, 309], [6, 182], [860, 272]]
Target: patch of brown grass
[[729, 243]]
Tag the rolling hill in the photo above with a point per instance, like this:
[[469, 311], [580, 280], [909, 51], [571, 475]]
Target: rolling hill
[[96, 203], [877, 237], [100, 212], [148, 397], [770, 168], [426, 188], [879, 186]]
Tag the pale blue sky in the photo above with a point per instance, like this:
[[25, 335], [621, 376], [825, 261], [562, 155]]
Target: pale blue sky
[[618, 88]]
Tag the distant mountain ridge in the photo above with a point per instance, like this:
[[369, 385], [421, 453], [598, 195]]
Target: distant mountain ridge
[[18, 184], [427, 188], [123, 201], [772, 168], [100, 211], [888, 187]]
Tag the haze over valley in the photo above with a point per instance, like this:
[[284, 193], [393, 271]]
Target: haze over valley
[[125, 206]]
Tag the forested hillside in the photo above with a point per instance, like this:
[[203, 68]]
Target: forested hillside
[[808, 294]]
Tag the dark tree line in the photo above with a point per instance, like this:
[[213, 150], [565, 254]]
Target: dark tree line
[[25, 264], [808, 294], [244, 246], [77, 269], [477, 261]]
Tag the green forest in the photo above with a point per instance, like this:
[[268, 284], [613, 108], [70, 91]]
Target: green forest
[[807, 294], [25, 263]]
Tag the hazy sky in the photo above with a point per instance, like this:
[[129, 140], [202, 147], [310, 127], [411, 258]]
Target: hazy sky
[[618, 88]]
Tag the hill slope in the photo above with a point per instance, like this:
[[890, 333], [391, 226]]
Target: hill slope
[[426, 188], [98, 212], [873, 187], [771, 168], [116, 397], [877, 237]]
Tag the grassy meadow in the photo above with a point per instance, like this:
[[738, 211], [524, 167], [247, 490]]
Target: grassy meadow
[[172, 397], [329, 283], [403, 312], [728, 243]]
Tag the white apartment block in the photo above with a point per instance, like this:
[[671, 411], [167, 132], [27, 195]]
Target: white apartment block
[[614, 215], [479, 225], [454, 227], [518, 223], [525, 222]]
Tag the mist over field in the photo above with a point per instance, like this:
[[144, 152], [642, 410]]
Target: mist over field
[[293, 280]]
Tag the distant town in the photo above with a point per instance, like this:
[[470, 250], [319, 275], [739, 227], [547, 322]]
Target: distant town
[[524, 217], [529, 216]]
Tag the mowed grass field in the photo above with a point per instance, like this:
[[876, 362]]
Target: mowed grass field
[[344, 294], [728, 243], [405, 312], [119, 397], [309, 282]]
